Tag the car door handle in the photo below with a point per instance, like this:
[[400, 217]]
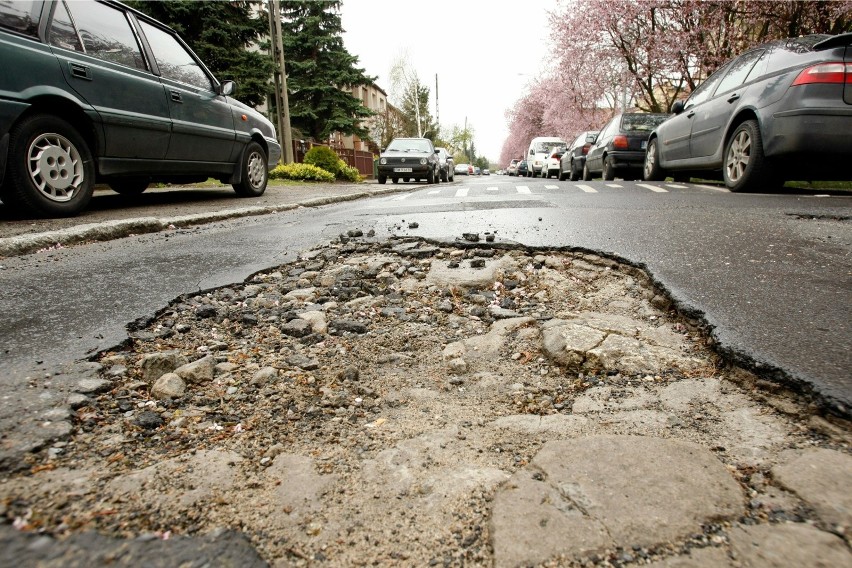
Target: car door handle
[[733, 98], [80, 71], [690, 114], [176, 96]]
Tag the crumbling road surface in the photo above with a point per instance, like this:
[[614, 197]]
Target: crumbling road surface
[[404, 403]]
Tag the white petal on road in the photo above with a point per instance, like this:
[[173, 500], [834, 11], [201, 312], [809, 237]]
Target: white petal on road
[[588, 188], [523, 189], [652, 187], [462, 192]]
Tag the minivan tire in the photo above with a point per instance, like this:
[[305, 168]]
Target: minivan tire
[[255, 173], [47, 156]]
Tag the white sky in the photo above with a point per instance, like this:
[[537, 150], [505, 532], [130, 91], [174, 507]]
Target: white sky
[[484, 53]]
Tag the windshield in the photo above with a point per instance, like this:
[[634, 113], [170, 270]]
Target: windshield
[[409, 146], [548, 146], [641, 122]]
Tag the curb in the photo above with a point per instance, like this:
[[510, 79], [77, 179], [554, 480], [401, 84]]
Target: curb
[[104, 231]]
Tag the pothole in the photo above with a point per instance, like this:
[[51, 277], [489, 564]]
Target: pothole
[[365, 403]]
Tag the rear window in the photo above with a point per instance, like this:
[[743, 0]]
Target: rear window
[[641, 122], [21, 15], [548, 146]]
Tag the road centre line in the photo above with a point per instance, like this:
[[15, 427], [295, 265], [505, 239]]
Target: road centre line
[[523, 189], [462, 192], [652, 187], [587, 188], [435, 192]]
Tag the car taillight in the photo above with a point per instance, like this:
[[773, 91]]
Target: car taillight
[[586, 148], [835, 72], [619, 142]]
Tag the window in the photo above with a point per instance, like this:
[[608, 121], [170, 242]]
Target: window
[[705, 89], [738, 71], [21, 15], [175, 62], [106, 33], [62, 32]]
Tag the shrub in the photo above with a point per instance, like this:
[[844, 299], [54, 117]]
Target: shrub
[[348, 173], [323, 157], [305, 172]]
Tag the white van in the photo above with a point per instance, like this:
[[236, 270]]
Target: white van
[[539, 150]]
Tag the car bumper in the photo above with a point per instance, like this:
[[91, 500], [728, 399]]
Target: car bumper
[[274, 153], [627, 160], [393, 170], [816, 140]]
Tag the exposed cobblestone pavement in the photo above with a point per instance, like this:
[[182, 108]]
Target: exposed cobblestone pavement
[[407, 403]]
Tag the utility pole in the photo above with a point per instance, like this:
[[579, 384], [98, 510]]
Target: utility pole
[[437, 113], [417, 105], [277, 42]]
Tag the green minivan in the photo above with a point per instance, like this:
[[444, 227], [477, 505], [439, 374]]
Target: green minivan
[[97, 92]]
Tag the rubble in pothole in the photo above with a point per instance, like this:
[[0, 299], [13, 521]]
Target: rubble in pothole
[[363, 403]]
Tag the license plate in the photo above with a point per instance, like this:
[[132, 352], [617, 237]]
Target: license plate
[[402, 170], [644, 144]]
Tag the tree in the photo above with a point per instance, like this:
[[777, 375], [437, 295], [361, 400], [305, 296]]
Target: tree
[[321, 72], [412, 97], [221, 33]]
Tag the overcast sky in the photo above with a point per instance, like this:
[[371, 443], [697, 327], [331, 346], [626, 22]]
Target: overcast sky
[[484, 53]]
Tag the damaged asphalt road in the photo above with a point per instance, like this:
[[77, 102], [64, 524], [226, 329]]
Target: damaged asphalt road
[[413, 403]]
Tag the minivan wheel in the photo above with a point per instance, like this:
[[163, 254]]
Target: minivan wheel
[[744, 168], [50, 169], [651, 170], [254, 170]]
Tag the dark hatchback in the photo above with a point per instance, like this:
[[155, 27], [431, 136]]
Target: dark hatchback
[[523, 169], [619, 149], [96, 92], [574, 158], [410, 159], [781, 111]]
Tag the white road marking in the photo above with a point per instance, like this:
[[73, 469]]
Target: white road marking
[[676, 186], [523, 189], [551, 187], [723, 189], [613, 185], [462, 192], [492, 188], [401, 197], [652, 187], [436, 192], [588, 188]]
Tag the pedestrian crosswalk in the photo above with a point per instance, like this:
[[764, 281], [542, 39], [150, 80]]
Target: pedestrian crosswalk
[[495, 189]]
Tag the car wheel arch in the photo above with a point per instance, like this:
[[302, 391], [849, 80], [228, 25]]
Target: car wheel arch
[[741, 116], [73, 114]]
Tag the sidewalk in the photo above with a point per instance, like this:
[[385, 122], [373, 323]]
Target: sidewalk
[[111, 216]]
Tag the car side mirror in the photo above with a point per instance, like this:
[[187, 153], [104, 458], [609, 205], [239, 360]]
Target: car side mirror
[[228, 88], [532, 152], [591, 138], [677, 107]]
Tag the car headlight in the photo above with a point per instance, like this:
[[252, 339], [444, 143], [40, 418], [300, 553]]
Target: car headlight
[[383, 161], [423, 161]]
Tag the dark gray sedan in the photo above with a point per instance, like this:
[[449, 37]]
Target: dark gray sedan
[[781, 111], [409, 159]]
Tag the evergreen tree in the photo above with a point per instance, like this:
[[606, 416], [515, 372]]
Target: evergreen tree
[[320, 71], [220, 33]]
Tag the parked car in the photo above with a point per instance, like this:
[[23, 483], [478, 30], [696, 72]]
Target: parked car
[[550, 166], [96, 92], [471, 170], [512, 168], [486, 172], [462, 169], [777, 112], [477, 171], [574, 158], [409, 159], [619, 150], [446, 164], [523, 169], [539, 150]]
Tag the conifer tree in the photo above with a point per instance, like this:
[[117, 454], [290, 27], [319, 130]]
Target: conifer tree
[[320, 71]]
